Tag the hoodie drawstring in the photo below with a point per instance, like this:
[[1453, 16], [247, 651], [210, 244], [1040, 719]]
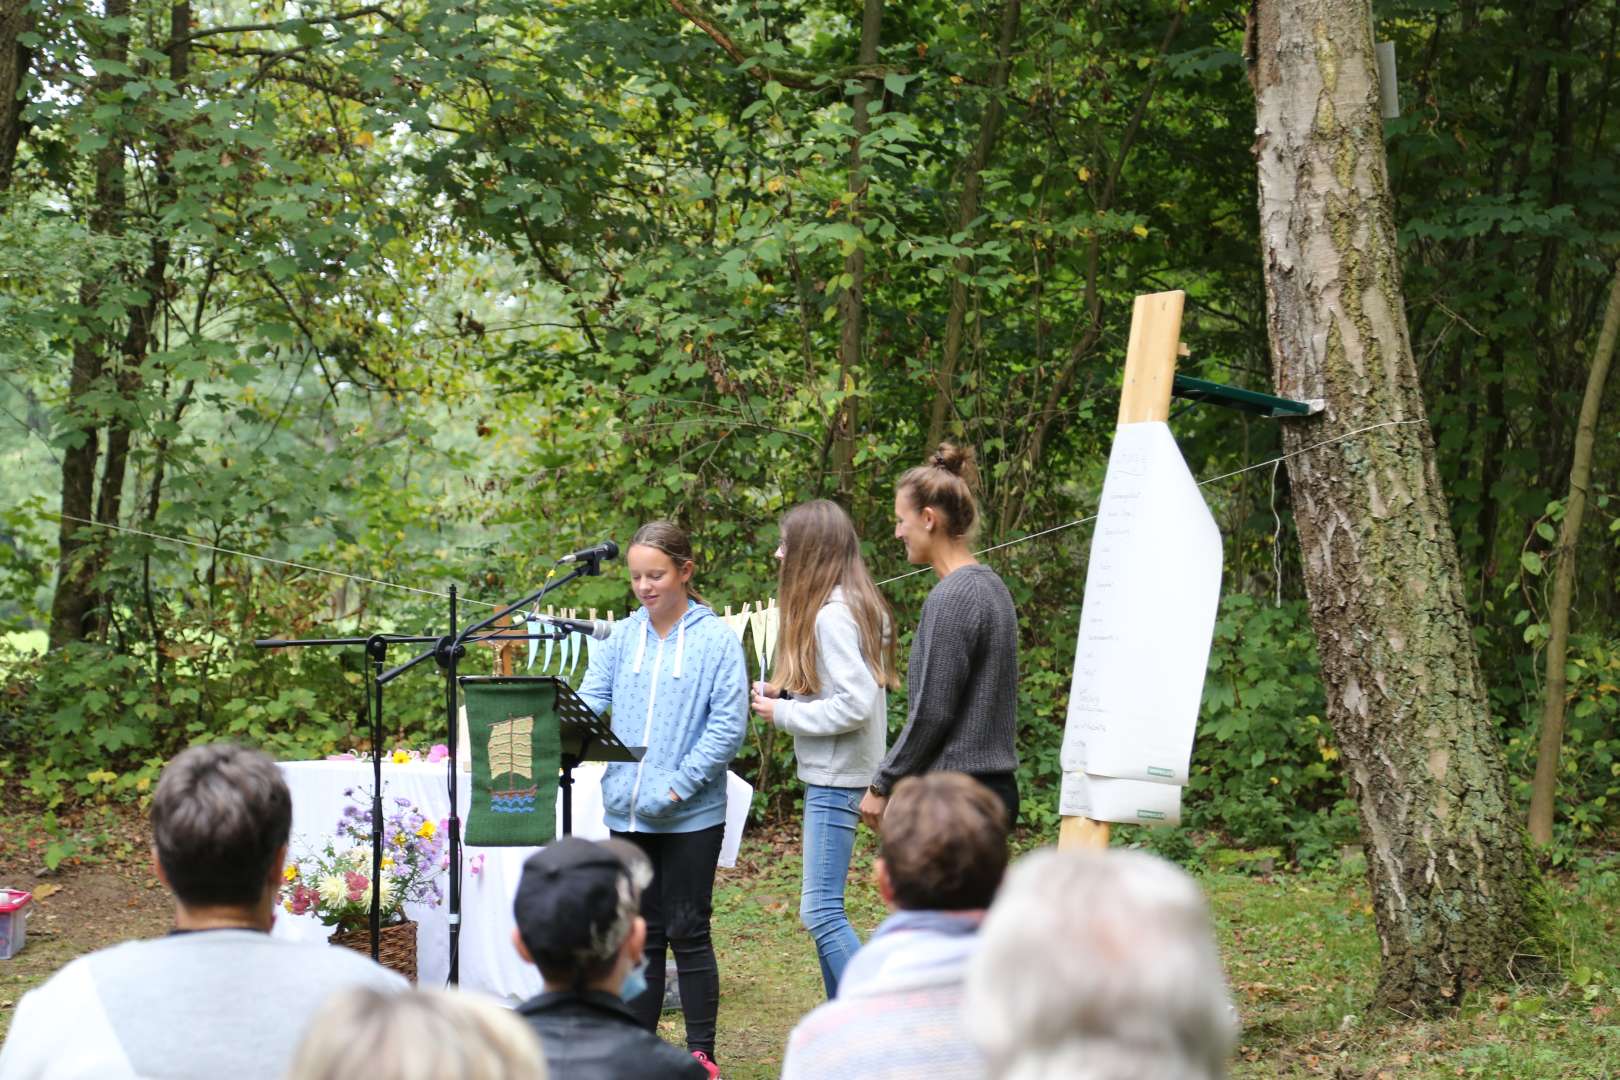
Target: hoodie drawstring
[[641, 649]]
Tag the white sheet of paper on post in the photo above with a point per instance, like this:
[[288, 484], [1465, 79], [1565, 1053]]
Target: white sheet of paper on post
[[1107, 798], [1152, 588]]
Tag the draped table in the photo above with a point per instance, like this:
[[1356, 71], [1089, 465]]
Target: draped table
[[489, 876]]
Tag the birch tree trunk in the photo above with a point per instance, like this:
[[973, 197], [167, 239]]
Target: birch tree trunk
[[1451, 880]]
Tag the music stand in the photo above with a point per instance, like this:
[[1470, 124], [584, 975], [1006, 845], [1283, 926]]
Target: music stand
[[585, 735]]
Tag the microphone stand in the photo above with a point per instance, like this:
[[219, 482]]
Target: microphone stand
[[447, 651], [376, 647]]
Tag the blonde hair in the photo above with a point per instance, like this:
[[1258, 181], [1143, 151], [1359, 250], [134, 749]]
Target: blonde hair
[[945, 484], [821, 551], [672, 540], [417, 1035]]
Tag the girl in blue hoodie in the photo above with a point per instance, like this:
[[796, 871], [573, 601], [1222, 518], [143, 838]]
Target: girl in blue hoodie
[[676, 682]]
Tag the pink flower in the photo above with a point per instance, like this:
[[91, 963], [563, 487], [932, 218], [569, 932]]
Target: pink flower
[[303, 899], [358, 883], [438, 753], [476, 863]]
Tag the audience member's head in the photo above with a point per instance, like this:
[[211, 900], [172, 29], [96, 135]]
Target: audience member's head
[[1130, 984], [578, 912], [943, 844], [220, 819], [418, 1035]]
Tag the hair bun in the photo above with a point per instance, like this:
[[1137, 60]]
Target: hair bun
[[957, 460]]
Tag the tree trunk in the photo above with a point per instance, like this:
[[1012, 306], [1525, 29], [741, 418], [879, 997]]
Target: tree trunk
[[1544, 788], [851, 302], [73, 603], [15, 20], [967, 210], [1448, 867], [142, 328]]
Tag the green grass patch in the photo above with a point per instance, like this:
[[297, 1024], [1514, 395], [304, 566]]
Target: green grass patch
[[1300, 950]]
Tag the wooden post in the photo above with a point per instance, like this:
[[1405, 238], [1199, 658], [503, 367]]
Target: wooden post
[[505, 650], [1150, 369]]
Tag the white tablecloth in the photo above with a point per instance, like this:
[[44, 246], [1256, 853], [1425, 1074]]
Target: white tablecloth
[[489, 877]]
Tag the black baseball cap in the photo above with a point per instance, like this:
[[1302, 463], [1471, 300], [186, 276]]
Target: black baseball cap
[[568, 898]]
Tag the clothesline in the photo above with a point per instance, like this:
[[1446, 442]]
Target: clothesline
[[363, 579]]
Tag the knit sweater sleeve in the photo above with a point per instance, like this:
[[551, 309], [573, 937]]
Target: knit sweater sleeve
[[941, 660]]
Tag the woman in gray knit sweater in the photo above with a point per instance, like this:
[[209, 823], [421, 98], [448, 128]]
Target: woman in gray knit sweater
[[834, 660], [962, 681]]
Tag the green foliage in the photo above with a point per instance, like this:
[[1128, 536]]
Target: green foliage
[[1264, 764], [1588, 800], [445, 292]]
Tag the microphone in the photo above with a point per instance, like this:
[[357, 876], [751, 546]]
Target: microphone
[[600, 629], [607, 549]]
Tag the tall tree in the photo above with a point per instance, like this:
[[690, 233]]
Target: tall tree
[[16, 19], [1549, 747], [73, 605], [1448, 866]]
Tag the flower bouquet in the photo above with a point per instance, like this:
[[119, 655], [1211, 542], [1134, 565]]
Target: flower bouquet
[[334, 884]]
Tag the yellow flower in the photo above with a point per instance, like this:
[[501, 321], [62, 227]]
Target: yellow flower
[[387, 862], [288, 905], [291, 873], [401, 757], [427, 829]]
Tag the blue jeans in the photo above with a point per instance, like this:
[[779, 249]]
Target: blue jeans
[[830, 817]]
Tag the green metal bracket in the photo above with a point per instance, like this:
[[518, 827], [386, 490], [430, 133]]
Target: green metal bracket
[[1231, 397]]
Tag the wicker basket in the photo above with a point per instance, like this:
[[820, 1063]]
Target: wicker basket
[[396, 946]]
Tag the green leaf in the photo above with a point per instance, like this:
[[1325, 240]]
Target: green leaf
[[1531, 562]]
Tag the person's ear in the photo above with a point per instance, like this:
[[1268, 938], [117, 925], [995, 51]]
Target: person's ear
[[522, 949], [686, 572], [278, 863], [930, 518], [635, 944], [880, 877], [157, 868]]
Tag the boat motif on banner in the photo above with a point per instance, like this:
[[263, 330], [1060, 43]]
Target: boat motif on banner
[[511, 756]]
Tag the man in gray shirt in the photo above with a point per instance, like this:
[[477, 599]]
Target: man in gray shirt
[[216, 997]]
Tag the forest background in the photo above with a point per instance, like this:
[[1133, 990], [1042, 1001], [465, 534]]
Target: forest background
[[428, 292]]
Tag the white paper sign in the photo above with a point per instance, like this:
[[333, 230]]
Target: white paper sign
[[1105, 798], [1152, 588]]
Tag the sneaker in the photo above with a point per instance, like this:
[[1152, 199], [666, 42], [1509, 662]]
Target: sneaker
[[708, 1066]]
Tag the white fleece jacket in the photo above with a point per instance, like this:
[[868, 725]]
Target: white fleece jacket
[[840, 732]]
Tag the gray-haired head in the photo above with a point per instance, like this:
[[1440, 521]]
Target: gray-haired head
[[1131, 986], [220, 817]]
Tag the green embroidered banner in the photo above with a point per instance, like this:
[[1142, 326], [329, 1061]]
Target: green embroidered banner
[[516, 754]]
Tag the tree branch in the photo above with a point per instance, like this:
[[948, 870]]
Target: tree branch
[[282, 26], [701, 17]]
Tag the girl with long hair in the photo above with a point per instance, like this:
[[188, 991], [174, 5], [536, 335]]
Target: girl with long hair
[[962, 679], [675, 679], [834, 660]]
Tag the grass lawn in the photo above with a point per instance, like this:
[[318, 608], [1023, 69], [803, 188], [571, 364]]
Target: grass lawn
[[1300, 953]]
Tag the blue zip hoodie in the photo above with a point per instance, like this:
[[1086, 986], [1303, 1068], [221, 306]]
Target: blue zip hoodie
[[685, 698]]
